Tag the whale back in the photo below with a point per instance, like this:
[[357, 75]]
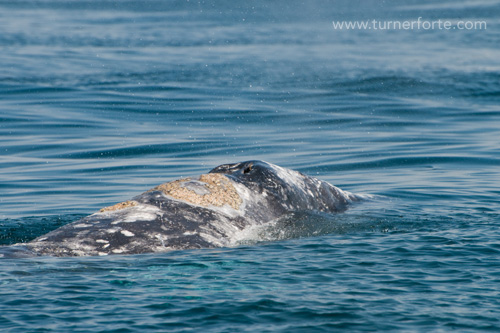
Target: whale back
[[209, 211]]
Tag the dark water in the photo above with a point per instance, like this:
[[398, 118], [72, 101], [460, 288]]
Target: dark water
[[102, 100]]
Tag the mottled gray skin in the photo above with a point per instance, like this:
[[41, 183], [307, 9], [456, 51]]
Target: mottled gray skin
[[161, 223]]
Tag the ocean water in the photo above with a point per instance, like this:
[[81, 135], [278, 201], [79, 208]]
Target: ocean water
[[102, 100]]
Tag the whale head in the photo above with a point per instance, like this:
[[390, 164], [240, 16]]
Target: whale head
[[287, 188]]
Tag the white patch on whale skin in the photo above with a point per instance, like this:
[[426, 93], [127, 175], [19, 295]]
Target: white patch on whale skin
[[141, 212], [77, 247], [249, 199], [196, 186], [212, 239], [82, 225], [127, 233], [162, 239], [244, 193], [292, 177], [226, 210]]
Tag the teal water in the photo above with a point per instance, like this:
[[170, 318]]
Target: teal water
[[100, 101]]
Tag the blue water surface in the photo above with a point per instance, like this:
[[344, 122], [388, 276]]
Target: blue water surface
[[103, 100]]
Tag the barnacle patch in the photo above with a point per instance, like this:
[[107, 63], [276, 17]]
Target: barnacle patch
[[118, 206], [210, 189]]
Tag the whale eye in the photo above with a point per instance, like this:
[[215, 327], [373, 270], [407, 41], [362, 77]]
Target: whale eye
[[248, 169]]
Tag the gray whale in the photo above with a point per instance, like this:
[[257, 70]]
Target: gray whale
[[204, 212]]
